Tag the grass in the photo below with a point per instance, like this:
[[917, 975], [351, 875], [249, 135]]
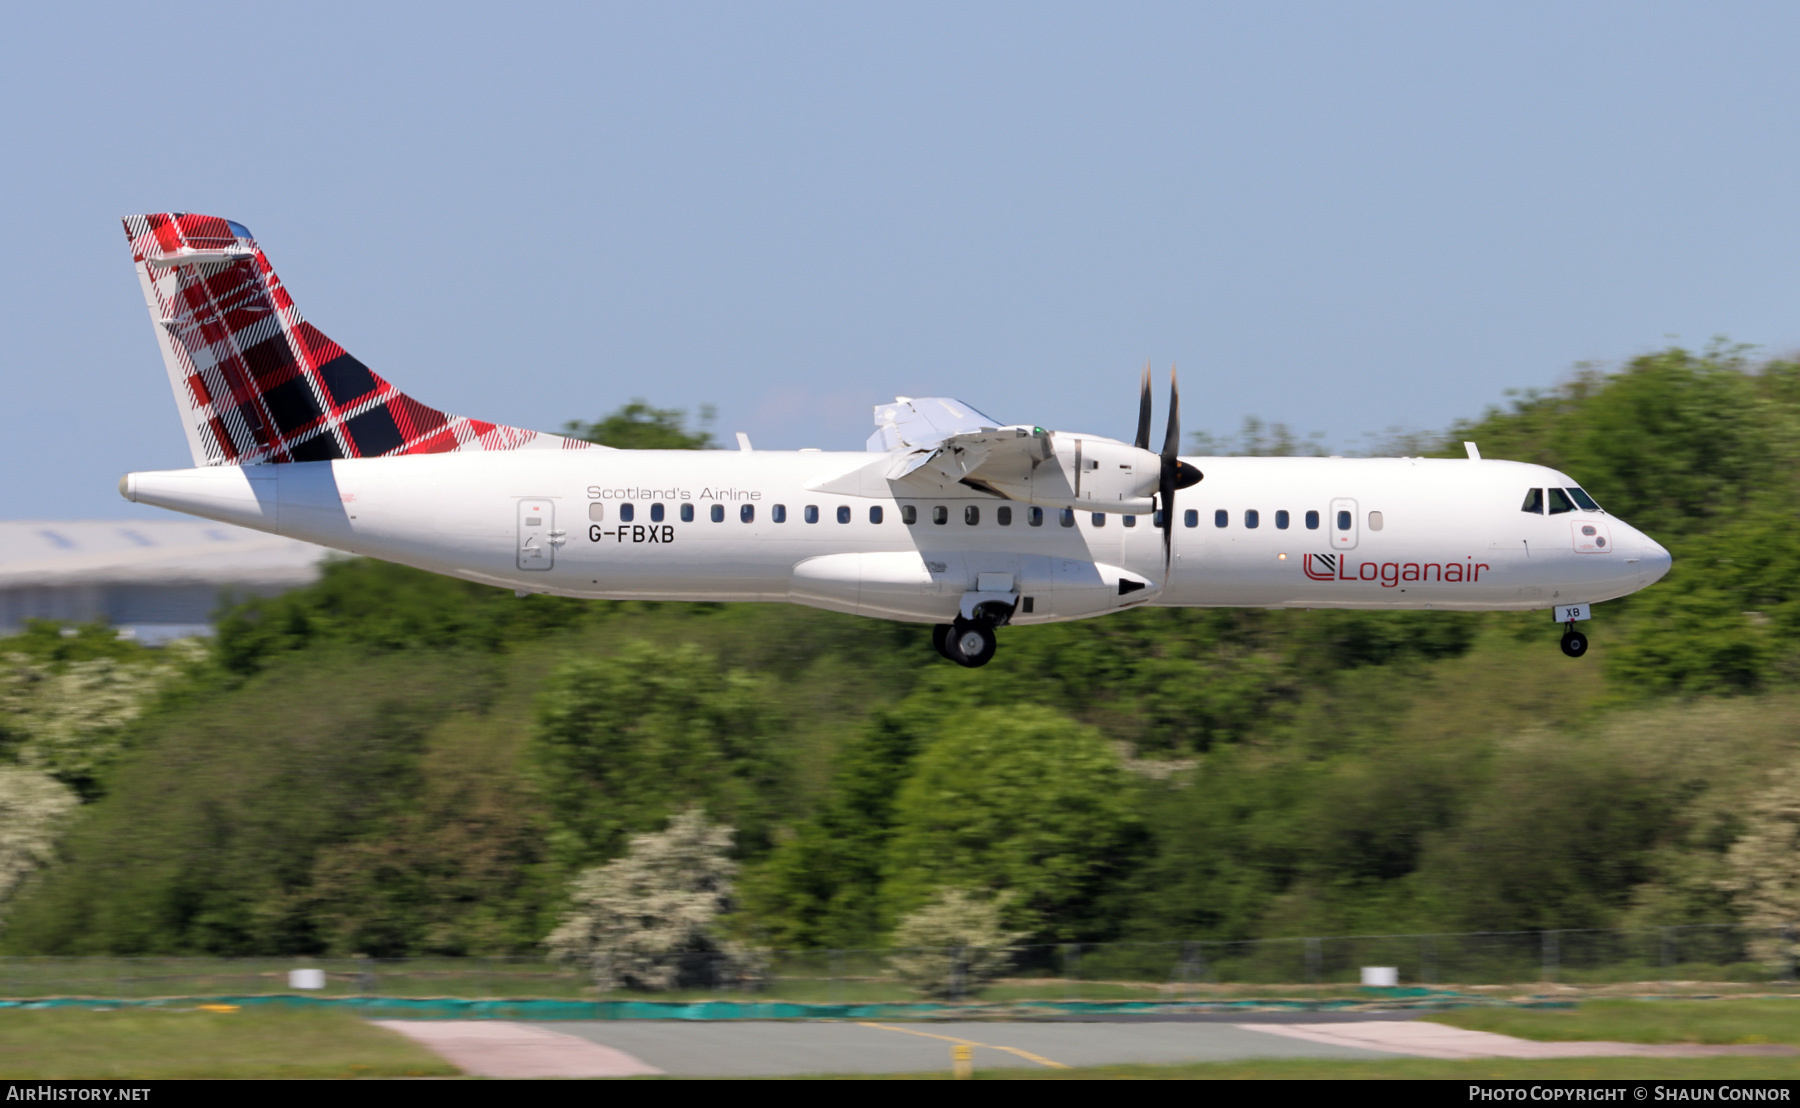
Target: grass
[[1641, 1021], [37, 1045], [1430, 1069]]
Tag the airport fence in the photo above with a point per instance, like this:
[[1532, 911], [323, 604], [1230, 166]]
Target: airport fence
[[1663, 960]]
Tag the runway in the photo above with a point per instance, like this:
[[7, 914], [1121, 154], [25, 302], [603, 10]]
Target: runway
[[746, 1048], [752, 1048]]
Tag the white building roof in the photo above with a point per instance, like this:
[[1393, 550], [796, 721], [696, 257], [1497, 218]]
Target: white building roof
[[59, 553]]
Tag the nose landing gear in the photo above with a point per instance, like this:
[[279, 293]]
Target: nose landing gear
[[1574, 643]]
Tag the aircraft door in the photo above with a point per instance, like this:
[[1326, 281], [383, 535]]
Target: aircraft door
[[537, 534], [1343, 524]]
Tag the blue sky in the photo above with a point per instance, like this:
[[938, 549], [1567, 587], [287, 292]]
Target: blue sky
[[1344, 216]]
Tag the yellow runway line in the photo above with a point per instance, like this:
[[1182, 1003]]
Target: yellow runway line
[[1025, 1054]]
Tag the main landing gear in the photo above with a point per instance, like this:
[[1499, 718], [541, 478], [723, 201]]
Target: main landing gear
[[1574, 643], [967, 642]]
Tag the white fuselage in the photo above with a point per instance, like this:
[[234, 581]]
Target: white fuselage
[[1423, 533]]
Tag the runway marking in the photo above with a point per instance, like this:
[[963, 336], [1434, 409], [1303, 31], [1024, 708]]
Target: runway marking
[[1025, 1054], [501, 1048], [1432, 1040]]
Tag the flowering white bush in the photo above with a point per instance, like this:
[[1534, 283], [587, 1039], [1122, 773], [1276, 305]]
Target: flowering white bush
[[1765, 868], [33, 806], [954, 944], [646, 920], [71, 720], [62, 725]]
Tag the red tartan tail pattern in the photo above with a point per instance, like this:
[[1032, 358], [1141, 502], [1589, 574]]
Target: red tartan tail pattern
[[260, 384]]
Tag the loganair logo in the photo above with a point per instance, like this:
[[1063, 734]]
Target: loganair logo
[[1339, 567]]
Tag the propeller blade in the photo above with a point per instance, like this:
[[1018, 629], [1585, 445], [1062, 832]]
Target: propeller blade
[[1143, 435], [1171, 472], [1172, 440]]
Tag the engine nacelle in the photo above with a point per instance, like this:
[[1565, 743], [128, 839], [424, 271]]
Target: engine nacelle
[[1089, 474]]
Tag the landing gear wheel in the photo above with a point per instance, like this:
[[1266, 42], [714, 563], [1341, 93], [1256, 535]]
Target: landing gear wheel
[[970, 644], [940, 639], [1574, 643]]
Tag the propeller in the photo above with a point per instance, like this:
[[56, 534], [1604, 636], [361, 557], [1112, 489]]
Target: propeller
[[1176, 474]]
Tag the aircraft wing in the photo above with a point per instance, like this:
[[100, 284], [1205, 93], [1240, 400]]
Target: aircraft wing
[[951, 438]]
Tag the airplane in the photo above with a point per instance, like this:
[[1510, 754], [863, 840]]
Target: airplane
[[948, 518]]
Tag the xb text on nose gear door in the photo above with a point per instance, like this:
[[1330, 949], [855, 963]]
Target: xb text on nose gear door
[[537, 523], [1343, 524]]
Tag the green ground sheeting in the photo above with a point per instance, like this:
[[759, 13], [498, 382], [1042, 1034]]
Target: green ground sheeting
[[1641, 1021], [75, 1044]]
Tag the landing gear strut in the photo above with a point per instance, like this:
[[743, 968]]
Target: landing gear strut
[[1574, 643]]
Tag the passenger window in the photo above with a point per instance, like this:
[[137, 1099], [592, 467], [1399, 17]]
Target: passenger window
[[1190, 518], [747, 514], [626, 512], [1375, 521], [1099, 519], [1129, 521], [1221, 518], [656, 513], [811, 514], [718, 513], [940, 515], [1343, 521], [687, 513], [1066, 517], [1312, 521], [1252, 518], [971, 514], [843, 513], [1034, 516], [1534, 501], [1281, 520], [1003, 516], [874, 513], [1560, 502], [596, 512], [1583, 499], [778, 513], [909, 514]]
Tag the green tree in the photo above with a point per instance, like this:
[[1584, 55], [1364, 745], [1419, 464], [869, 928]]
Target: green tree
[[821, 887], [207, 837], [458, 869], [623, 742], [1727, 618], [1022, 801], [380, 607], [638, 426]]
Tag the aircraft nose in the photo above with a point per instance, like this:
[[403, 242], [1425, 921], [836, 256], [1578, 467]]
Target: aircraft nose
[[1653, 560]]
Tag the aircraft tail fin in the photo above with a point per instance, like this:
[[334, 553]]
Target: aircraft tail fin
[[257, 383]]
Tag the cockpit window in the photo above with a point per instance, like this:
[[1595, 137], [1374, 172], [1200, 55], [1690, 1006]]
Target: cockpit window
[[1534, 501], [1560, 502], [1583, 499]]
